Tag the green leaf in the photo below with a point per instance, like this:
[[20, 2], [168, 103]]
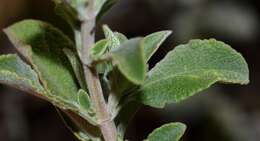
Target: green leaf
[[153, 41], [86, 109], [99, 49], [114, 42], [191, 68], [77, 67], [42, 45], [129, 58], [168, 132], [84, 102], [14, 72]]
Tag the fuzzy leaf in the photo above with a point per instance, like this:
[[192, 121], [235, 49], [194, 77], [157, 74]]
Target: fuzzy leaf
[[16, 73], [85, 107], [42, 45], [99, 49], [129, 58], [191, 68], [168, 132], [84, 102], [153, 41], [114, 42]]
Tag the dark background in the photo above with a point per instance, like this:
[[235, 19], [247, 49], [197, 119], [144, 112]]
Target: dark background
[[222, 113]]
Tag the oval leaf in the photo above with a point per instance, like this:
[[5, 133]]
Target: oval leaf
[[168, 132], [84, 102], [191, 68]]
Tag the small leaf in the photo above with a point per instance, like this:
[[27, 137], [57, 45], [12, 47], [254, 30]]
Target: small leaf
[[99, 49], [42, 45], [129, 58], [168, 132], [114, 42], [153, 41], [14, 72], [191, 68], [85, 107], [84, 102]]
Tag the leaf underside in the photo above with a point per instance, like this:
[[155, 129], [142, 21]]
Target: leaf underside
[[191, 68]]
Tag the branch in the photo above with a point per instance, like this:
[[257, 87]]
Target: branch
[[106, 123]]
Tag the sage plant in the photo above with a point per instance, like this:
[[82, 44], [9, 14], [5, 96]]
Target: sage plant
[[98, 85]]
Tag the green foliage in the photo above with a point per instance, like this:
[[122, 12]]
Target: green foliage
[[99, 49], [16, 73], [114, 42], [129, 58], [84, 102], [191, 68], [168, 132], [41, 44], [57, 74], [153, 42]]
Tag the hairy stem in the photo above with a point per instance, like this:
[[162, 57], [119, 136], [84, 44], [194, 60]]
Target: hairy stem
[[106, 123]]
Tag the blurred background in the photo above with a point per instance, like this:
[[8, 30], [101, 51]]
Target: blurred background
[[222, 113]]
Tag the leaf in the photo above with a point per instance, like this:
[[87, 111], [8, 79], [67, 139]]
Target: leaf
[[84, 102], [14, 72], [191, 68], [129, 58], [153, 41], [42, 45], [99, 49], [168, 132], [114, 42], [77, 67]]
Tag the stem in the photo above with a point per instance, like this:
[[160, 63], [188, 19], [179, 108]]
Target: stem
[[106, 123]]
